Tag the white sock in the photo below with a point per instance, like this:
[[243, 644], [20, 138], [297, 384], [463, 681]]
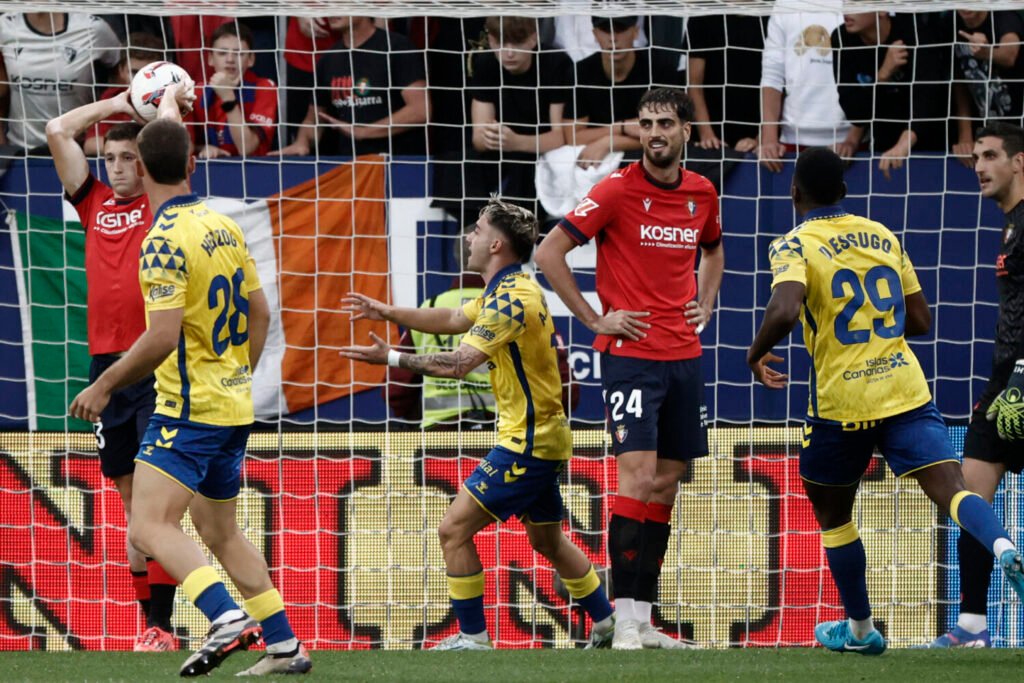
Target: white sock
[[229, 616], [283, 647], [481, 637], [642, 611], [624, 609], [861, 627], [972, 623], [1002, 545], [605, 624]]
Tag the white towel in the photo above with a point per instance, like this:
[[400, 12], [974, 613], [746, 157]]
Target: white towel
[[561, 184]]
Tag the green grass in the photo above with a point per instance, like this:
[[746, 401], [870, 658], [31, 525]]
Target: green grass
[[557, 666]]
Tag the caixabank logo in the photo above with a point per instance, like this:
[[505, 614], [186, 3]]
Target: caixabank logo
[[347, 523]]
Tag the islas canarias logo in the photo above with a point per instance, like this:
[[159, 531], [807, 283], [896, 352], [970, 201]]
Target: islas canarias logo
[[877, 367]]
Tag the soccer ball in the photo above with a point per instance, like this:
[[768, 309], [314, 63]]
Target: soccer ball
[[148, 85]]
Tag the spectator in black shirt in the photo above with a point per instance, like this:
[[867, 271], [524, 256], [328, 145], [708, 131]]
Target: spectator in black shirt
[[609, 85], [726, 49], [519, 106], [989, 69], [371, 95], [882, 85]]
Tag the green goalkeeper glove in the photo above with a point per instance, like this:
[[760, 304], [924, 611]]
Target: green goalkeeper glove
[[1008, 408]]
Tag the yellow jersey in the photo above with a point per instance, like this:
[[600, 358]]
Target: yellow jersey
[[857, 275], [512, 325], [197, 259]]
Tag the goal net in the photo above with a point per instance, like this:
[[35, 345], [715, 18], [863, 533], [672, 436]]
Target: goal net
[[343, 488]]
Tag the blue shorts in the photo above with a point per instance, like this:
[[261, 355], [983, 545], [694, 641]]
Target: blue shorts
[[506, 484], [838, 454], [205, 459], [655, 405]]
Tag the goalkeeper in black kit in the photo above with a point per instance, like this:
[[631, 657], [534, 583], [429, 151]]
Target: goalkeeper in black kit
[[995, 436]]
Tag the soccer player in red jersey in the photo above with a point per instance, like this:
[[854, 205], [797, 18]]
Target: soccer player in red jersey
[[650, 219], [236, 110], [116, 218]]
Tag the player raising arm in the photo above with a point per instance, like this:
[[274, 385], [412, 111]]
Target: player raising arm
[[116, 218], [207, 320], [856, 291], [510, 329]]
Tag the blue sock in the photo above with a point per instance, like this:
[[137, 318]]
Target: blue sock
[[470, 613], [467, 594], [975, 516], [276, 628], [846, 559], [215, 601], [596, 604], [268, 609], [589, 593]]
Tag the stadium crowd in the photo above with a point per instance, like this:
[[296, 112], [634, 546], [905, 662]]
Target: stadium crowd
[[490, 96]]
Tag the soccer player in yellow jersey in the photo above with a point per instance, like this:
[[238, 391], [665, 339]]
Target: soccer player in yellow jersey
[[509, 329], [855, 290], [207, 320]]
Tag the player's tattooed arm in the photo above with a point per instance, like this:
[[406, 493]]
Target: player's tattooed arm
[[456, 364]]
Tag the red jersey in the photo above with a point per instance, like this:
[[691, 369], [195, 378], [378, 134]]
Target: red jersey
[[304, 52], [258, 99], [192, 33], [647, 238], [114, 230], [101, 128]]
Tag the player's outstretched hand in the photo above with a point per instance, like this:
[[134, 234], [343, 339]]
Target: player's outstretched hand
[[626, 324], [90, 403], [1008, 409], [771, 378], [362, 307], [375, 354]]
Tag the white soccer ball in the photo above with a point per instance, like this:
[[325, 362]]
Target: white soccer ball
[[149, 83]]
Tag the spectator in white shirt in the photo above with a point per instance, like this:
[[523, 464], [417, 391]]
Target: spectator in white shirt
[[47, 69], [799, 99]]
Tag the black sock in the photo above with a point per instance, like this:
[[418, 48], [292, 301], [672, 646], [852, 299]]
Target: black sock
[[161, 606], [975, 574], [142, 593], [625, 534], [652, 554]]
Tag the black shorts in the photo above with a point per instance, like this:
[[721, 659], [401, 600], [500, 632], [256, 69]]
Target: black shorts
[[654, 405], [123, 422], [982, 442]]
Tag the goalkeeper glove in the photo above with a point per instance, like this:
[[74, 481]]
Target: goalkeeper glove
[[1008, 408]]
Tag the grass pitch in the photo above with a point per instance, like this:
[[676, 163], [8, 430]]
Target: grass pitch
[[557, 666]]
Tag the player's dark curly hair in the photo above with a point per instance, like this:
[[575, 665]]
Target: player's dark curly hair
[[819, 175], [165, 148], [519, 225], [668, 98], [1012, 136]]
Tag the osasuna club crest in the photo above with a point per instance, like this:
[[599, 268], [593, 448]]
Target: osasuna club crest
[[621, 433], [691, 205]]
